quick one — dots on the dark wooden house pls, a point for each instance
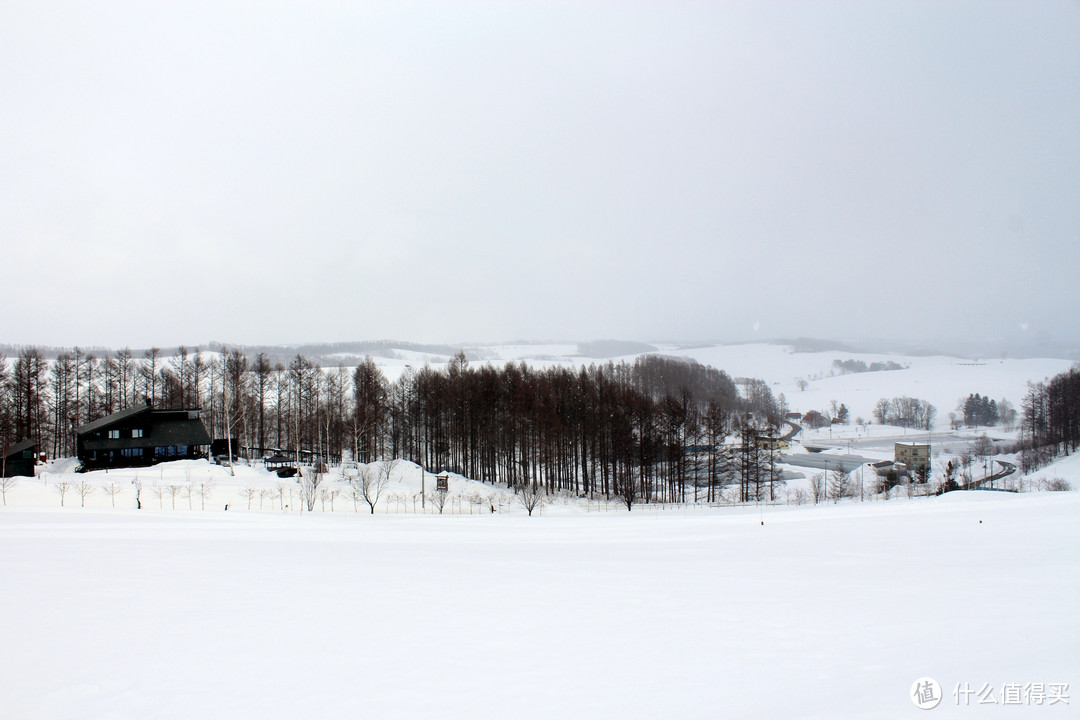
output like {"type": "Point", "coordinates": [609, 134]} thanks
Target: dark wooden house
{"type": "Point", "coordinates": [20, 459]}
{"type": "Point", "coordinates": [141, 435]}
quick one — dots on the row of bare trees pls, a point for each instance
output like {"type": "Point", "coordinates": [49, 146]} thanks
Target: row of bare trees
{"type": "Point", "coordinates": [267, 405]}
{"type": "Point", "coordinates": [1051, 419]}
{"type": "Point", "coordinates": [906, 412]}
{"type": "Point", "coordinates": [84, 488]}
{"type": "Point", "coordinates": [653, 429]}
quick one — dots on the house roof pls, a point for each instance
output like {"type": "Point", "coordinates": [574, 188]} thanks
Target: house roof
{"type": "Point", "coordinates": [114, 418]}
{"type": "Point", "coordinates": [19, 447]}
{"type": "Point", "coordinates": [170, 432]}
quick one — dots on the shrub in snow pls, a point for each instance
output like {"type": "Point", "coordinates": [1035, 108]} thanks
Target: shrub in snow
{"type": "Point", "coordinates": [6, 484]}
{"type": "Point", "coordinates": [1058, 485]}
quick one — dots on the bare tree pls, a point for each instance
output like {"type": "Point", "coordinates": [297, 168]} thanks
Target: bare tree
{"type": "Point", "coordinates": [909, 489]}
{"type": "Point", "coordinates": [6, 483]}
{"type": "Point", "coordinates": [817, 487]}
{"type": "Point", "coordinates": [349, 475]}
{"type": "Point", "coordinates": [62, 487]}
{"type": "Point", "coordinates": [387, 467]}
{"type": "Point", "coordinates": [882, 410]}
{"type": "Point", "coordinates": [626, 491]}
{"type": "Point", "coordinates": [311, 479]}
{"type": "Point", "coordinates": [174, 489]}
{"type": "Point", "coordinates": [532, 496]}
{"type": "Point", "coordinates": [159, 492]}
{"type": "Point", "coordinates": [112, 489]}
{"type": "Point", "coordinates": [85, 488]}
{"type": "Point", "coordinates": [839, 485]}
{"type": "Point", "coordinates": [356, 495]}
{"type": "Point", "coordinates": [438, 500]}
{"type": "Point", "coordinates": [372, 482]}
{"type": "Point", "coordinates": [148, 371]}
{"type": "Point", "coordinates": [477, 501]}
{"type": "Point", "coordinates": [250, 493]}
{"type": "Point", "coordinates": [206, 489]}
{"type": "Point", "coordinates": [137, 483]}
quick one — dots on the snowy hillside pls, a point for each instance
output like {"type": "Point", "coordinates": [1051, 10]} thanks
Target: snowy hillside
{"type": "Point", "coordinates": [940, 380]}
{"type": "Point", "coordinates": [943, 381]}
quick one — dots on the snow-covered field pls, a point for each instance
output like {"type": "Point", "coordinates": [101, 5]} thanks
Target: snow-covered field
{"type": "Point", "coordinates": [825, 612]}
{"type": "Point", "coordinates": [941, 380]}
{"type": "Point", "coordinates": [265, 611]}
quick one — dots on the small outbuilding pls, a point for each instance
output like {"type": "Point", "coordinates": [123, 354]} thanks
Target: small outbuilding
{"type": "Point", "coordinates": [282, 464]}
{"type": "Point", "coordinates": [765, 442]}
{"type": "Point", "coordinates": [20, 459]}
{"type": "Point", "coordinates": [881, 469]}
{"type": "Point", "coordinates": [219, 449]}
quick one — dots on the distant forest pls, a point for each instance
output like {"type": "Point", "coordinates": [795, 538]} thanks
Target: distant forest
{"type": "Point", "coordinates": [858, 366]}
{"type": "Point", "coordinates": [1051, 419]}
{"type": "Point", "coordinates": [651, 429]}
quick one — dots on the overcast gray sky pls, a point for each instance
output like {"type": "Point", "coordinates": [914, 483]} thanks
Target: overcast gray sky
{"type": "Point", "coordinates": [463, 172]}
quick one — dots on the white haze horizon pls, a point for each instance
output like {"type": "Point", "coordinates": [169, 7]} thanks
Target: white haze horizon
{"type": "Point", "coordinates": [482, 172]}
{"type": "Point", "coordinates": [547, 350]}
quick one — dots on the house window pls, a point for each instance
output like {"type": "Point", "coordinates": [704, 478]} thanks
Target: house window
{"type": "Point", "coordinates": [114, 434]}
{"type": "Point", "coordinates": [132, 452]}
{"type": "Point", "coordinates": [136, 432]}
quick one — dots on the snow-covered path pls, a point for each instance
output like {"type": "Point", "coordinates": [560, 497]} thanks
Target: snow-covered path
{"type": "Point", "coordinates": [820, 612]}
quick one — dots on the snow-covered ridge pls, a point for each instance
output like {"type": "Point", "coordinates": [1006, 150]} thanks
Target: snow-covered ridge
{"type": "Point", "coordinates": [941, 380]}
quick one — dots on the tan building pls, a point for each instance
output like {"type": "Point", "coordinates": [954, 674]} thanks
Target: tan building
{"type": "Point", "coordinates": [913, 455]}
